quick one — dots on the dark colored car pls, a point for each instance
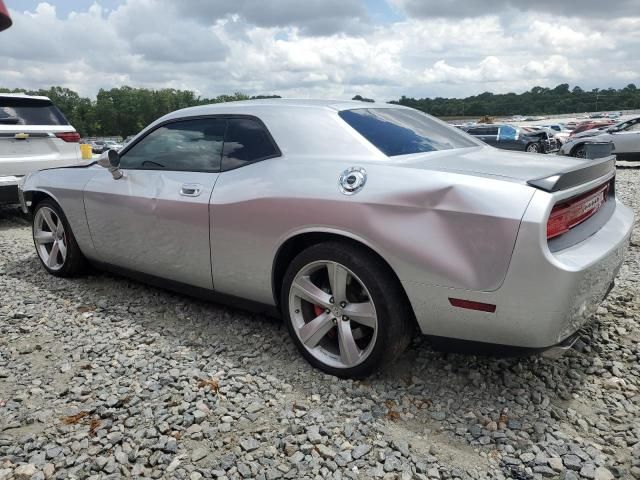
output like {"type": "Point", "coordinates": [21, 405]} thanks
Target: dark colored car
{"type": "Point", "coordinates": [508, 137]}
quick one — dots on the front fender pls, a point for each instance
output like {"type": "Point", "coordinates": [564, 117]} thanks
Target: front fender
{"type": "Point", "coordinates": [65, 186]}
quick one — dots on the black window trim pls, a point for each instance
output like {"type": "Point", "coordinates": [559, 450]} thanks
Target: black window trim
{"type": "Point", "coordinates": [278, 152]}
{"type": "Point", "coordinates": [218, 116]}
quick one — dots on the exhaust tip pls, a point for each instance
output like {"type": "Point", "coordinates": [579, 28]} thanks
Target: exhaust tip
{"type": "Point", "coordinates": [557, 351]}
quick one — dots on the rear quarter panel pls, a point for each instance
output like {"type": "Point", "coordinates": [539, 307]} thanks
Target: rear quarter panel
{"type": "Point", "coordinates": [436, 228]}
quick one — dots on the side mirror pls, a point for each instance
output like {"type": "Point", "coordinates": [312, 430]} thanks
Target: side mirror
{"type": "Point", "coordinates": [111, 161]}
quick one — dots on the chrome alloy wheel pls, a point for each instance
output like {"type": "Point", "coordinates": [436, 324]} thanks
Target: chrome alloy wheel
{"type": "Point", "coordinates": [50, 238]}
{"type": "Point", "coordinates": [333, 314]}
{"type": "Point", "coordinates": [533, 148]}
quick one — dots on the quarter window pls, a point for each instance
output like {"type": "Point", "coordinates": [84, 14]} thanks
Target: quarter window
{"type": "Point", "coordinates": [246, 141]}
{"type": "Point", "coordinates": [188, 145]}
{"type": "Point", "coordinates": [399, 131]}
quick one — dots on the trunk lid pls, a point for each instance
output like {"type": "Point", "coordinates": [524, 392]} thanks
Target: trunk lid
{"type": "Point", "coordinates": [513, 166]}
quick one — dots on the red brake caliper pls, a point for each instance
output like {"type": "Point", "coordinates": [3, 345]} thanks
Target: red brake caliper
{"type": "Point", "coordinates": [317, 310]}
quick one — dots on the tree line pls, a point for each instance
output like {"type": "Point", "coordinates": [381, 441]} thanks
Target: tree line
{"type": "Point", "coordinates": [537, 101]}
{"type": "Point", "coordinates": [126, 110]}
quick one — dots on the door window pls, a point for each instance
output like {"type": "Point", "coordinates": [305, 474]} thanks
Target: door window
{"type": "Point", "coordinates": [188, 145]}
{"type": "Point", "coordinates": [246, 141]}
{"type": "Point", "coordinates": [507, 133]}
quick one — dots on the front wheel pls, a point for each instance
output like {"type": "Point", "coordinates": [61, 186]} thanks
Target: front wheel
{"type": "Point", "coordinates": [54, 241]}
{"type": "Point", "coordinates": [579, 152]}
{"type": "Point", "coordinates": [345, 310]}
{"type": "Point", "coordinates": [533, 148]}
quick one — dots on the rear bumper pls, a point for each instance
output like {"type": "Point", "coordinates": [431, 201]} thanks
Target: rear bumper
{"type": "Point", "coordinates": [545, 298]}
{"type": "Point", "coordinates": [9, 189]}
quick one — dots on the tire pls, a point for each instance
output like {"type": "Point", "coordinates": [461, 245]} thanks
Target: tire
{"type": "Point", "coordinates": [384, 327]}
{"type": "Point", "coordinates": [533, 148]}
{"type": "Point", "coordinates": [51, 231]}
{"type": "Point", "coordinates": [579, 152]}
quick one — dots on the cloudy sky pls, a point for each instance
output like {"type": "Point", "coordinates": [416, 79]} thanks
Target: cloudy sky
{"type": "Point", "coordinates": [321, 48]}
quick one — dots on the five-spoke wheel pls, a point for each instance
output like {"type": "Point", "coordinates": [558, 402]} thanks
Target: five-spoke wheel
{"type": "Point", "coordinates": [55, 244]}
{"type": "Point", "coordinates": [344, 309]}
{"type": "Point", "coordinates": [333, 314]}
{"type": "Point", "coordinates": [49, 237]}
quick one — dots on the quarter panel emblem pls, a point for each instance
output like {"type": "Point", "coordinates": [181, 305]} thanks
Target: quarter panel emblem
{"type": "Point", "coordinates": [352, 180]}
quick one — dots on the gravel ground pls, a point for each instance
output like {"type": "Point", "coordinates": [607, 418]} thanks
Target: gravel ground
{"type": "Point", "coordinates": [103, 377]}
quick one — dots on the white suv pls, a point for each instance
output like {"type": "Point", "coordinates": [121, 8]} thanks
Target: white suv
{"type": "Point", "coordinates": [34, 134]}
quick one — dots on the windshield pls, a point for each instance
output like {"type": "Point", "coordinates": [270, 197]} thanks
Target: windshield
{"type": "Point", "coordinates": [399, 131]}
{"type": "Point", "coordinates": [623, 125]}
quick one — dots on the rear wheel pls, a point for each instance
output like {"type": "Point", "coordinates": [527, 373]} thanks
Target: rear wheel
{"type": "Point", "coordinates": [345, 310]}
{"type": "Point", "coordinates": [533, 148]}
{"type": "Point", "coordinates": [54, 241]}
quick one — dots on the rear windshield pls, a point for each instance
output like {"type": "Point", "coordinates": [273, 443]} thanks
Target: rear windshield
{"type": "Point", "coordinates": [29, 111]}
{"type": "Point", "coordinates": [399, 131]}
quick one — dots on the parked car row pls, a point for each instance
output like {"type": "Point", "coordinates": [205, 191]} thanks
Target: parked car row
{"type": "Point", "coordinates": [99, 146]}
{"type": "Point", "coordinates": [568, 138]}
{"type": "Point", "coordinates": [508, 137]}
{"type": "Point", "coordinates": [624, 137]}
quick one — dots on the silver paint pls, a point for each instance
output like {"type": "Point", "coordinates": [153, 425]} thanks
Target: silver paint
{"type": "Point", "coordinates": [457, 223]}
{"type": "Point", "coordinates": [352, 180]}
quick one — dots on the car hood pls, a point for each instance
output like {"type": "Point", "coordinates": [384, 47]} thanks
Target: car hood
{"type": "Point", "coordinates": [490, 161]}
{"type": "Point", "coordinates": [589, 133]}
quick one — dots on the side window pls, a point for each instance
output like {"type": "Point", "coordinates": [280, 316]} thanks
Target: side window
{"type": "Point", "coordinates": [246, 141]}
{"type": "Point", "coordinates": [473, 131]}
{"type": "Point", "coordinates": [491, 131]}
{"type": "Point", "coordinates": [507, 133]}
{"type": "Point", "coordinates": [187, 145]}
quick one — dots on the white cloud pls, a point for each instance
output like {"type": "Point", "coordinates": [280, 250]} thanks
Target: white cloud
{"type": "Point", "coordinates": [454, 9]}
{"type": "Point", "coordinates": [223, 46]}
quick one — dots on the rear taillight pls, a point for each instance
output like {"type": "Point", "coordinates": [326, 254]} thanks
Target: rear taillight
{"type": "Point", "coordinates": [566, 215]}
{"type": "Point", "coordinates": [69, 136]}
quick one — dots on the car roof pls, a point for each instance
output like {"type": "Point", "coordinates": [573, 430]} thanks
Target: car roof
{"type": "Point", "coordinates": [245, 106]}
{"type": "Point", "coordinates": [24, 95]}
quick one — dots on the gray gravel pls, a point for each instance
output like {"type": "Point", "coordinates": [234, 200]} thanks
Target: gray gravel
{"type": "Point", "coordinates": [103, 377]}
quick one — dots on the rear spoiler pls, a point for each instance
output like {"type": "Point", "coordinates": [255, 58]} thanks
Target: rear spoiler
{"type": "Point", "coordinates": [575, 176]}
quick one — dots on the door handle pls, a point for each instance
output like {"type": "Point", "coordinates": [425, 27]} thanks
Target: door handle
{"type": "Point", "coordinates": [190, 190]}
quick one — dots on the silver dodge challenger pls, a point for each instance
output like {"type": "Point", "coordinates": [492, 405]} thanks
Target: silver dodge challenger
{"type": "Point", "coordinates": [359, 224]}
